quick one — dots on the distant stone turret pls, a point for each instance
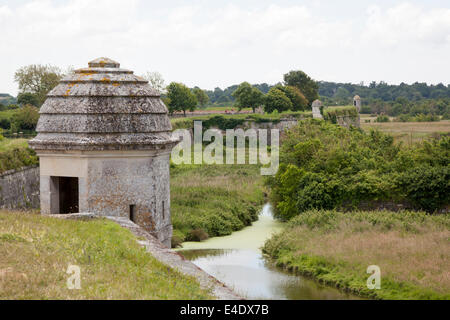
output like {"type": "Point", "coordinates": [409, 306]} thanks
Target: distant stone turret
{"type": "Point", "coordinates": [357, 103]}
{"type": "Point", "coordinates": [104, 141]}
{"type": "Point", "coordinates": [316, 109]}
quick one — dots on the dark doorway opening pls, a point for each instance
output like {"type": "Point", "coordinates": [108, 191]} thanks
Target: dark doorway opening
{"type": "Point", "coordinates": [68, 195]}
{"type": "Point", "coordinates": [133, 213]}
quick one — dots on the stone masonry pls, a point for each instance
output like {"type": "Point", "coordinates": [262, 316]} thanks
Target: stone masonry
{"type": "Point", "coordinates": [104, 141]}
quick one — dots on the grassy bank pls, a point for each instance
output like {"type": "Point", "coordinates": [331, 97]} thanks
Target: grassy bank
{"type": "Point", "coordinates": [35, 252]}
{"type": "Point", "coordinates": [15, 154]}
{"type": "Point", "coordinates": [213, 200]}
{"type": "Point", "coordinates": [411, 249]}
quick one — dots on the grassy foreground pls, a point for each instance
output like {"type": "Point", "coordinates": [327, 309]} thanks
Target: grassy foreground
{"type": "Point", "coordinates": [36, 251]}
{"type": "Point", "coordinates": [412, 250]}
{"type": "Point", "coordinates": [213, 200]}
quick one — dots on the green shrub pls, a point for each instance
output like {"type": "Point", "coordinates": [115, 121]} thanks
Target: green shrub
{"type": "Point", "coordinates": [198, 235]}
{"type": "Point", "coordinates": [332, 113]}
{"type": "Point", "coordinates": [17, 158]}
{"type": "Point", "coordinates": [382, 118]}
{"type": "Point", "coordinates": [325, 166]}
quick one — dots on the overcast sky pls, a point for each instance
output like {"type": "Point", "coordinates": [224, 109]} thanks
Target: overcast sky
{"type": "Point", "coordinates": [220, 43]}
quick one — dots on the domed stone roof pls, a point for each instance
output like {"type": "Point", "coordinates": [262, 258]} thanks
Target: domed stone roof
{"type": "Point", "coordinates": [103, 107]}
{"type": "Point", "coordinates": [356, 97]}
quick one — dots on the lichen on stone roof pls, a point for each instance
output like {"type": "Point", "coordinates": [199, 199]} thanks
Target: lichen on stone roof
{"type": "Point", "coordinates": [103, 107]}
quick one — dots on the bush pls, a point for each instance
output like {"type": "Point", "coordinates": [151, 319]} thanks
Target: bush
{"type": "Point", "coordinates": [198, 235]}
{"type": "Point", "coordinates": [382, 118]}
{"type": "Point", "coordinates": [325, 166]}
{"type": "Point", "coordinates": [222, 123]}
{"type": "Point", "coordinates": [277, 100]}
{"type": "Point", "coordinates": [177, 239]}
{"type": "Point", "coordinates": [332, 113]}
{"type": "Point", "coordinates": [426, 186]}
{"type": "Point", "coordinates": [25, 118]}
{"type": "Point", "coordinates": [17, 158]}
{"type": "Point", "coordinates": [5, 123]}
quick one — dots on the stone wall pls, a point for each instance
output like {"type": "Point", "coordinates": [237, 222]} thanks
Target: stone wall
{"type": "Point", "coordinates": [19, 189]}
{"type": "Point", "coordinates": [347, 121]}
{"type": "Point", "coordinates": [282, 125]}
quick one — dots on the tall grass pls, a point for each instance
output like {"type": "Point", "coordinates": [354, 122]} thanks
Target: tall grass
{"type": "Point", "coordinates": [213, 199]}
{"type": "Point", "coordinates": [35, 252]}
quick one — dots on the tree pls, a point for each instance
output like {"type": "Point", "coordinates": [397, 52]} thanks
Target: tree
{"type": "Point", "coordinates": [201, 96]}
{"type": "Point", "coordinates": [38, 80]}
{"type": "Point", "coordinates": [25, 118]}
{"type": "Point", "coordinates": [248, 96]}
{"type": "Point", "coordinates": [277, 100]}
{"type": "Point", "coordinates": [299, 102]}
{"type": "Point", "coordinates": [304, 83]}
{"type": "Point", "coordinates": [156, 81]}
{"type": "Point", "coordinates": [27, 98]}
{"type": "Point", "coordinates": [180, 98]}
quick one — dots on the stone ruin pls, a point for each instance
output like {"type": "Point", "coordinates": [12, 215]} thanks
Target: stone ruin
{"type": "Point", "coordinates": [316, 109]}
{"type": "Point", "coordinates": [104, 142]}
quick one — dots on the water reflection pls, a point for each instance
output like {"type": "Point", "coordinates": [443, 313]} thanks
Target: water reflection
{"type": "Point", "coordinates": [253, 277]}
{"type": "Point", "coordinates": [237, 261]}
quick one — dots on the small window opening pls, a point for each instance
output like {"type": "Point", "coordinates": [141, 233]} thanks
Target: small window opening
{"type": "Point", "coordinates": [133, 213]}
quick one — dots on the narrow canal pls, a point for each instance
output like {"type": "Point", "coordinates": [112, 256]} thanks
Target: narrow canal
{"type": "Point", "coordinates": [237, 261]}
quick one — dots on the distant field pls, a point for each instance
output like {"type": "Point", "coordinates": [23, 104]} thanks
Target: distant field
{"type": "Point", "coordinates": [408, 132]}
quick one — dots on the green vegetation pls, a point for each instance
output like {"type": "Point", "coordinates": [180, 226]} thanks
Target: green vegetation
{"type": "Point", "coordinates": [36, 251]}
{"type": "Point", "coordinates": [202, 97]}
{"type": "Point", "coordinates": [36, 81]}
{"type": "Point", "coordinates": [277, 100]}
{"type": "Point", "coordinates": [247, 96]}
{"type": "Point", "coordinates": [232, 121]}
{"type": "Point", "coordinates": [382, 118]}
{"type": "Point", "coordinates": [213, 200]}
{"type": "Point", "coordinates": [389, 99]}
{"type": "Point", "coordinates": [298, 100]}
{"type": "Point", "coordinates": [307, 86]}
{"type": "Point", "coordinates": [23, 119]}
{"type": "Point", "coordinates": [411, 249]}
{"type": "Point", "coordinates": [332, 113]}
{"type": "Point", "coordinates": [180, 98]}
{"type": "Point", "coordinates": [15, 154]}
{"type": "Point", "coordinates": [418, 118]}
{"type": "Point", "coordinates": [9, 144]}
{"type": "Point", "coordinates": [325, 166]}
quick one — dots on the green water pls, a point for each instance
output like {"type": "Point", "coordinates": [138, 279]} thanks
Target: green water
{"type": "Point", "coordinates": [237, 261]}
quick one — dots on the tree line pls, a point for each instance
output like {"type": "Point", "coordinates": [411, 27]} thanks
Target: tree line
{"type": "Point", "coordinates": [296, 92]}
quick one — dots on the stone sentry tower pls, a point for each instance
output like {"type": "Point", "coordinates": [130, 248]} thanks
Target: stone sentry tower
{"type": "Point", "coordinates": [357, 103]}
{"type": "Point", "coordinates": [104, 142]}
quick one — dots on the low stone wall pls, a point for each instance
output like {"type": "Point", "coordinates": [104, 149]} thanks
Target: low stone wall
{"type": "Point", "coordinates": [19, 189]}
{"type": "Point", "coordinates": [282, 125]}
{"type": "Point", "coordinates": [347, 121]}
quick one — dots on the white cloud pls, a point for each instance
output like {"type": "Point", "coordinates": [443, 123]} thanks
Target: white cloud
{"type": "Point", "coordinates": [218, 45]}
{"type": "Point", "coordinates": [408, 23]}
